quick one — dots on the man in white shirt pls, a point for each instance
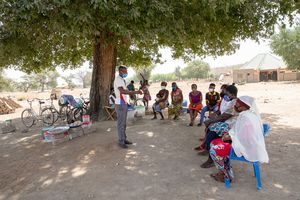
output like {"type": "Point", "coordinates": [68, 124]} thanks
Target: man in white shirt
{"type": "Point", "coordinates": [121, 105]}
{"type": "Point", "coordinates": [112, 98]}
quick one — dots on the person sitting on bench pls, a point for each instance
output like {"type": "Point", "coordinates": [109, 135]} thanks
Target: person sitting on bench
{"type": "Point", "coordinates": [161, 101]}
{"type": "Point", "coordinates": [212, 99]}
{"type": "Point", "coordinates": [112, 98]}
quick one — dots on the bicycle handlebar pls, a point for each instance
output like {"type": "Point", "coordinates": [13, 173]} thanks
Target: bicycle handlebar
{"type": "Point", "coordinates": [31, 100]}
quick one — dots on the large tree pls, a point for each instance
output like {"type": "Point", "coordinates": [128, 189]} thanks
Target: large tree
{"type": "Point", "coordinates": [48, 33]}
{"type": "Point", "coordinates": [196, 69]}
{"type": "Point", "coordinates": [287, 44]}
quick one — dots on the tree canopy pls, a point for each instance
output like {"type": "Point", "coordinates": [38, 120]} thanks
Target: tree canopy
{"type": "Point", "coordinates": [42, 34]}
{"type": "Point", "coordinates": [287, 44]}
{"type": "Point", "coordinates": [46, 33]}
{"type": "Point", "coordinates": [196, 69]}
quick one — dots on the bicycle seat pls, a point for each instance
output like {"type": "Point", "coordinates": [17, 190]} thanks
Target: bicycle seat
{"type": "Point", "coordinates": [41, 102]}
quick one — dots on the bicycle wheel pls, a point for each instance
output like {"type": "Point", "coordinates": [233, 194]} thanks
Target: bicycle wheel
{"type": "Point", "coordinates": [56, 114]}
{"type": "Point", "coordinates": [28, 118]}
{"type": "Point", "coordinates": [63, 112]}
{"type": "Point", "coordinates": [78, 113]}
{"type": "Point", "coordinates": [47, 116]}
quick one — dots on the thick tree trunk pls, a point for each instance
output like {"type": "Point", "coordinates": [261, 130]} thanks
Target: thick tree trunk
{"type": "Point", "coordinates": [104, 64]}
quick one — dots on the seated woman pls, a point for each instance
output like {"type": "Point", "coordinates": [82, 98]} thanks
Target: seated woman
{"type": "Point", "coordinates": [195, 103]}
{"type": "Point", "coordinates": [219, 125]}
{"type": "Point", "coordinates": [246, 137]}
{"type": "Point", "coordinates": [177, 98]}
{"type": "Point", "coordinates": [161, 101]}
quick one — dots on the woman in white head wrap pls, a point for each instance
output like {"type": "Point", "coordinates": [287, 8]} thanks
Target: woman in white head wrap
{"type": "Point", "coordinates": [246, 136]}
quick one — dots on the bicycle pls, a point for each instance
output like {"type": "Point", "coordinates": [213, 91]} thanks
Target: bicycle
{"type": "Point", "coordinates": [29, 116]}
{"type": "Point", "coordinates": [137, 101]}
{"type": "Point", "coordinates": [78, 112]}
{"type": "Point", "coordinates": [64, 112]}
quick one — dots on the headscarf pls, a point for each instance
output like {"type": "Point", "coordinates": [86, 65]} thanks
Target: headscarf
{"type": "Point", "coordinates": [247, 133]}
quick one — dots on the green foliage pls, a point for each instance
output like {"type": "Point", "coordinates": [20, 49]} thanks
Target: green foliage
{"type": "Point", "coordinates": [145, 71]}
{"type": "Point", "coordinates": [287, 44]}
{"type": "Point", "coordinates": [69, 80]}
{"type": "Point", "coordinates": [5, 83]}
{"type": "Point", "coordinates": [163, 77]}
{"type": "Point", "coordinates": [21, 98]}
{"type": "Point", "coordinates": [42, 34]}
{"type": "Point", "coordinates": [85, 78]}
{"type": "Point", "coordinates": [178, 73]}
{"type": "Point", "coordinates": [196, 69]}
{"type": "Point", "coordinates": [38, 81]}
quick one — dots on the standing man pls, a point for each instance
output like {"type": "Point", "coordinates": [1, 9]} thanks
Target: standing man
{"type": "Point", "coordinates": [121, 105]}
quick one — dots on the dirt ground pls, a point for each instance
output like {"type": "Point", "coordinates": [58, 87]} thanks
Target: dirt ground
{"type": "Point", "coordinates": [161, 165]}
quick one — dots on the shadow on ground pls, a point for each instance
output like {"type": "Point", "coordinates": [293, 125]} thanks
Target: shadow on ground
{"type": "Point", "coordinates": [160, 165]}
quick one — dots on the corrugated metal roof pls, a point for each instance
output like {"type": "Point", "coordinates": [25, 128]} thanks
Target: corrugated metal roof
{"type": "Point", "coordinates": [264, 61]}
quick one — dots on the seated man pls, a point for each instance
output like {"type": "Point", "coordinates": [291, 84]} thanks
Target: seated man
{"type": "Point", "coordinates": [161, 101]}
{"type": "Point", "coordinates": [112, 98]}
{"type": "Point", "coordinates": [212, 99]}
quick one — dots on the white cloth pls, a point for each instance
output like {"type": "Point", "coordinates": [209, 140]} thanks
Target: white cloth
{"type": "Point", "coordinates": [247, 134]}
{"type": "Point", "coordinates": [120, 82]}
{"type": "Point", "coordinates": [111, 98]}
{"type": "Point", "coordinates": [228, 107]}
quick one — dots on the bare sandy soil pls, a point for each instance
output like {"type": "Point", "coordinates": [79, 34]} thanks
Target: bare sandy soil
{"type": "Point", "coordinates": [161, 165]}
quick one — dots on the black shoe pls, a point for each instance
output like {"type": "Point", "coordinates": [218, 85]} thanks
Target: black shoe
{"type": "Point", "coordinates": [208, 164]}
{"type": "Point", "coordinates": [176, 118]}
{"type": "Point", "coordinates": [203, 153]}
{"type": "Point", "coordinates": [153, 118]}
{"type": "Point", "coordinates": [124, 146]}
{"type": "Point", "coordinates": [127, 142]}
{"type": "Point", "coordinates": [200, 124]}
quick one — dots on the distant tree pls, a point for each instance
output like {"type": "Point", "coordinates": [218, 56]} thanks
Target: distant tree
{"type": "Point", "coordinates": [287, 45]}
{"type": "Point", "coordinates": [145, 71]}
{"type": "Point", "coordinates": [196, 69]}
{"type": "Point", "coordinates": [6, 84]}
{"type": "Point", "coordinates": [46, 79]}
{"type": "Point", "coordinates": [163, 77]}
{"type": "Point", "coordinates": [85, 78]}
{"type": "Point", "coordinates": [69, 80]}
{"type": "Point", "coordinates": [29, 81]}
{"type": "Point", "coordinates": [178, 72]}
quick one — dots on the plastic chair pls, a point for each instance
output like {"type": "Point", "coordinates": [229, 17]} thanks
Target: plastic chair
{"type": "Point", "coordinates": [233, 156]}
{"type": "Point", "coordinates": [185, 108]}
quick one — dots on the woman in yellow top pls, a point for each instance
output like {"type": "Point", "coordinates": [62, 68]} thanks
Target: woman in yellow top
{"type": "Point", "coordinates": [177, 98]}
